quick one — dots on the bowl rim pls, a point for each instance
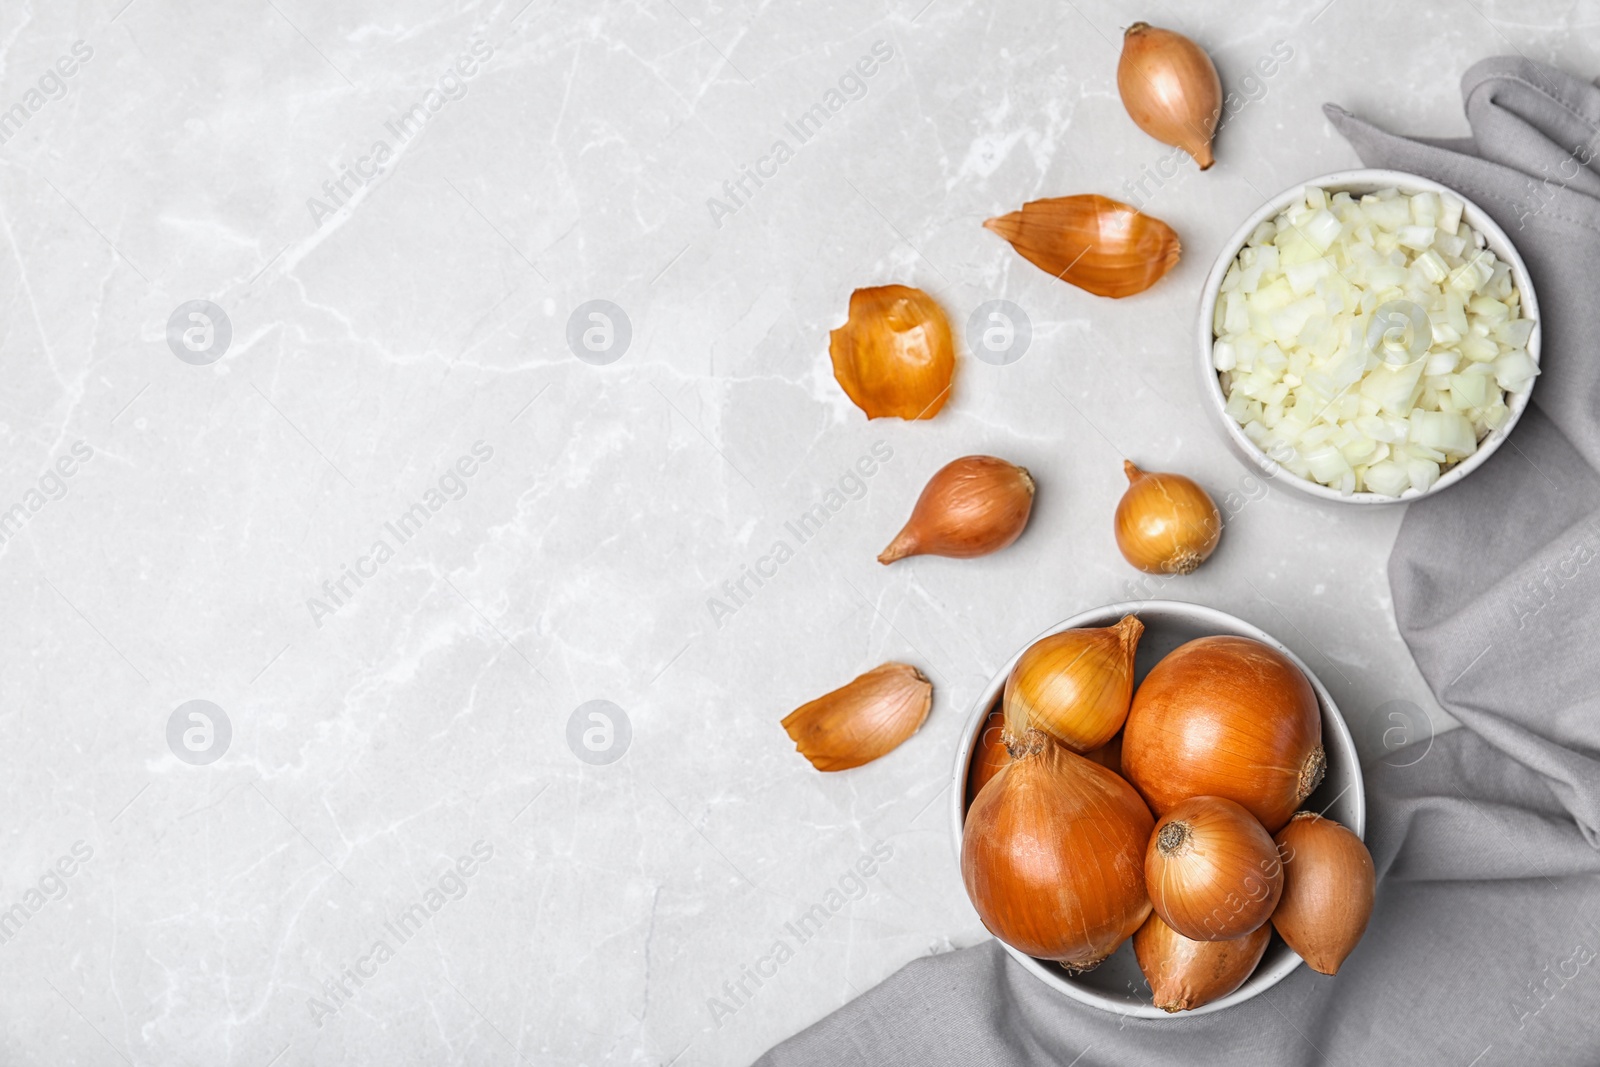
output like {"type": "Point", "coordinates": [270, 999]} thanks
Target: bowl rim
{"type": "Point", "coordinates": [1340, 742]}
{"type": "Point", "coordinates": [1367, 179]}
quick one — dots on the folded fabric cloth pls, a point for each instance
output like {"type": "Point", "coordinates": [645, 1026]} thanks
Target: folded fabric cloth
{"type": "Point", "coordinates": [1484, 947]}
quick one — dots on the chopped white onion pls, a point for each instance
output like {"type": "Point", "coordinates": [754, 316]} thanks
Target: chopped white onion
{"type": "Point", "coordinates": [1316, 342]}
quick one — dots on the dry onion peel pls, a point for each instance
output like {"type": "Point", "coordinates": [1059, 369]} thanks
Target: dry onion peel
{"type": "Point", "coordinates": [1098, 244]}
{"type": "Point", "coordinates": [860, 721]}
{"type": "Point", "coordinates": [894, 355]}
{"type": "Point", "coordinates": [970, 507]}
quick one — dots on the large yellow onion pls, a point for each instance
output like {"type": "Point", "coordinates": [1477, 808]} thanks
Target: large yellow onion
{"type": "Point", "coordinates": [1227, 717]}
{"type": "Point", "coordinates": [1053, 855]}
{"type": "Point", "coordinates": [1075, 685]}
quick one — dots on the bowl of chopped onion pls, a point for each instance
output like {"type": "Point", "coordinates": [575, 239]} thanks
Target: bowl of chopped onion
{"type": "Point", "coordinates": [1368, 337]}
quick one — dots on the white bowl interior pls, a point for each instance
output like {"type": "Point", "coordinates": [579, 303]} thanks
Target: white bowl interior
{"type": "Point", "coordinates": [1117, 984]}
{"type": "Point", "coordinates": [1358, 182]}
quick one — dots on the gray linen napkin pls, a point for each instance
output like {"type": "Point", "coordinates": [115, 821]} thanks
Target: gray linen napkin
{"type": "Point", "coordinates": [1485, 945]}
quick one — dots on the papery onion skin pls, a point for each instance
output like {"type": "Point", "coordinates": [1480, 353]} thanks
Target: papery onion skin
{"type": "Point", "coordinates": [1166, 523]}
{"type": "Point", "coordinates": [1184, 974]}
{"type": "Point", "coordinates": [1052, 856]}
{"type": "Point", "coordinates": [858, 722]}
{"type": "Point", "coordinates": [1329, 885]}
{"type": "Point", "coordinates": [1075, 685]}
{"type": "Point", "coordinates": [1229, 717]}
{"type": "Point", "coordinates": [1212, 871]}
{"type": "Point", "coordinates": [1171, 89]}
{"type": "Point", "coordinates": [894, 355]}
{"type": "Point", "coordinates": [972, 506]}
{"type": "Point", "coordinates": [1100, 245]}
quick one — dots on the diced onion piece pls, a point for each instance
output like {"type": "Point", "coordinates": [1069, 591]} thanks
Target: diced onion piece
{"type": "Point", "coordinates": [1423, 473]}
{"type": "Point", "coordinates": [1444, 431]}
{"type": "Point", "coordinates": [1388, 477]}
{"type": "Point", "coordinates": [1515, 370]}
{"type": "Point", "coordinates": [1473, 389]}
{"type": "Point", "coordinates": [1418, 237]}
{"type": "Point", "coordinates": [1322, 229]}
{"type": "Point", "coordinates": [1449, 213]}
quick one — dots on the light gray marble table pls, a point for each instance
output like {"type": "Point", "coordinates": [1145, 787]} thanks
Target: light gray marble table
{"type": "Point", "coordinates": [370, 506]}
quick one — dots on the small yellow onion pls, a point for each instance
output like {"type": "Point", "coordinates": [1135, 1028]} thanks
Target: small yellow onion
{"type": "Point", "coordinates": [1212, 871]}
{"type": "Point", "coordinates": [894, 355]}
{"type": "Point", "coordinates": [1184, 974]}
{"type": "Point", "coordinates": [1328, 890]}
{"type": "Point", "coordinates": [1171, 89]}
{"type": "Point", "coordinates": [1075, 685]}
{"type": "Point", "coordinates": [1052, 855]}
{"type": "Point", "coordinates": [1166, 524]}
{"type": "Point", "coordinates": [970, 507]}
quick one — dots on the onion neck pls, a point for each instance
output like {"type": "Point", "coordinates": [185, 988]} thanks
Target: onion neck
{"type": "Point", "coordinates": [1028, 744]}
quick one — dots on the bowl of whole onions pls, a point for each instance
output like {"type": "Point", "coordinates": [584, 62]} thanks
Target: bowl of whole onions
{"type": "Point", "coordinates": [1158, 809]}
{"type": "Point", "coordinates": [1368, 337]}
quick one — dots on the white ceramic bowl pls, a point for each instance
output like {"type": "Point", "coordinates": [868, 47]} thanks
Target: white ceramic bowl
{"type": "Point", "coordinates": [1356, 182]}
{"type": "Point", "coordinates": [1117, 984]}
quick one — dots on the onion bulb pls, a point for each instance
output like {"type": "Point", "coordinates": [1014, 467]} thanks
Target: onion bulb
{"type": "Point", "coordinates": [1102, 246]}
{"type": "Point", "coordinates": [1328, 888]}
{"type": "Point", "coordinates": [1053, 855]}
{"type": "Point", "coordinates": [894, 355]}
{"type": "Point", "coordinates": [1166, 524]}
{"type": "Point", "coordinates": [1185, 974]}
{"type": "Point", "coordinates": [1075, 685]}
{"type": "Point", "coordinates": [1171, 89]}
{"type": "Point", "coordinates": [1212, 872]}
{"type": "Point", "coordinates": [988, 754]}
{"type": "Point", "coordinates": [1228, 717]}
{"type": "Point", "coordinates": [970, 507]}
